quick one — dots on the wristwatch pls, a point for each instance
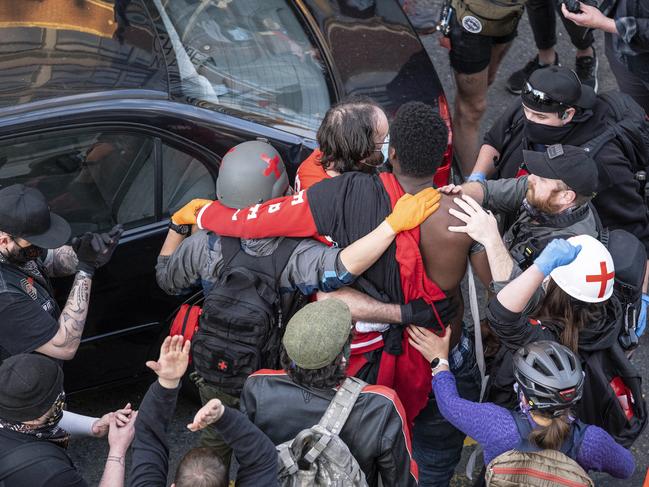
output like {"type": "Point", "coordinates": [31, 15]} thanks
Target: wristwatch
{"type": "Point", "coordinates": [183, 230]}
{"type": "Point", "coordinates": [436, 363]}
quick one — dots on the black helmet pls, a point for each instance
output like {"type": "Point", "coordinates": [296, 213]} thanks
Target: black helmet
{"type": "Point", "coordinates": [549, 374]}
{"type": "Point", "coordinates": [250, 173]}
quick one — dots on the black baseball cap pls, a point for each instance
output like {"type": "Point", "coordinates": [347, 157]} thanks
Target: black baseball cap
{"type": "Point", "coordinates": [31, 383]}
{"type": "Point", "coordinates": [555, 88]}
{"type": "Point", "coordinates": [568, 163]}
{"type": "Point", "coordinates": [24, 213]}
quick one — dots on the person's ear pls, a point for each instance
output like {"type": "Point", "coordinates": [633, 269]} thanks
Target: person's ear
{"type": "Point", "coordinates": [392, 153]}
{"type": "Point", "coordinates": [568, 115]}
{"type": "Point", "coordinates": [568, 196]}
{"type": "Point", "coordinates": [5, 239]}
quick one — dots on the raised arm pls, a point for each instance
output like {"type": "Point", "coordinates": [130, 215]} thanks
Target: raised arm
{"type": "Point", "coordinates": [515, 295]}
{"type": "Point", "coordinates": [92, 250]}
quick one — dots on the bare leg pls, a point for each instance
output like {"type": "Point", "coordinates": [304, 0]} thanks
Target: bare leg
{"type": "Point", "coordinates": [470, 105]}
{"type": "Point", "coordinates": [498, 52]}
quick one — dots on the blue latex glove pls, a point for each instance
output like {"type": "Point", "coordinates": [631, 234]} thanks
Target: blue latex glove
{"type": "Point", "coordinates": [557, 253]}
{"type": "Point", "coordinates": [642, 320]}
{"type": "Point", "coordinates": [479, 177]}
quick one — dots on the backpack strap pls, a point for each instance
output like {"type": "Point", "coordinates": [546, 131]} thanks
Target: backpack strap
{"type": "Point", "coordinates": [336, 414]}
{"type": "Point", "coordinates": [230, 247]}
{"type": "Point", "coordinates": [283, 253]}
{"type": "Point", "coordinates": [29, 454]}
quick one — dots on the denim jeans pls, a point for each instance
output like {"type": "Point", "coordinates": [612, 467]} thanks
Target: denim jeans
{"type": "Point", "coordinates": [437, 445]}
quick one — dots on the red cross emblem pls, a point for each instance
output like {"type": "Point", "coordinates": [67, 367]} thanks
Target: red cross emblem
{"type": "Point", "coordinates": [602, 278]}
{"type": "Point", "coordinates": [272, 165]}
{"type": "Point", "coordinates": [222, 365]}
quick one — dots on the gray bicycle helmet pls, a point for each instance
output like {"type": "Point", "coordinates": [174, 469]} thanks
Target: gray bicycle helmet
{"type": "Point", "coordinates": [549, 374]}
{"type": "Point", "coordinates": [251, 172]}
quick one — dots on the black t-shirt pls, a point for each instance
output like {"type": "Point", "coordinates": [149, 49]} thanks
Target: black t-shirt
{"type": "Point", "coordinates": [52, 470]}
{"type": "Point", "coordinates": [24, 325]}
{"type": "Point", "coordinates": [347, 208]}
{"type": "Point", "coordinates": [28, 313]}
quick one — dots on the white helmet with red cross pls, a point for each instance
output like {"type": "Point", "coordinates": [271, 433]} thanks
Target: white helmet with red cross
{"type": "Point", "coordinates": [591, 275]}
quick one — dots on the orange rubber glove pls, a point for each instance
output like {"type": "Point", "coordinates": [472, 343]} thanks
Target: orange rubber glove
{"type": "Point", "coordinates": [188, 213]}
{"type": "Point", "coordinates": [411, 210]}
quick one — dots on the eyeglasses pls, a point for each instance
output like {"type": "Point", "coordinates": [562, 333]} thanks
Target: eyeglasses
{"type": "Point", "coordinates": [541, 98]}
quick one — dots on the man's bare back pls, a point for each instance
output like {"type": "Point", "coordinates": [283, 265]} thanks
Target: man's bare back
{"type": "Point", "coordinates": [445, 257]}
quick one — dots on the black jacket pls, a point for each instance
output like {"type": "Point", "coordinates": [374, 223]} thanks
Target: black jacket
{"type": "Point", "coordinates": [515, 330]}
{"type": "Point", "coordinates": [618, 201]}
{"type": "Point", "coordinates": [375, 432]}
{"type": "Point", "coordinates": [51, 469]}
{"type": "Point", "coordinates": [255, 453]}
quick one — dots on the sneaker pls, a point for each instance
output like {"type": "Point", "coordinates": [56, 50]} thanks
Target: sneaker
{"type": "Point", "coordinates": [518, 78]}
{"type": "Point", "coordinates": [586, 68]}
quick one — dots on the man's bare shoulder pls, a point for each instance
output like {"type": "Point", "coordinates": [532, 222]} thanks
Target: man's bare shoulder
{"type": "Point", "coordinates": [436, 226]}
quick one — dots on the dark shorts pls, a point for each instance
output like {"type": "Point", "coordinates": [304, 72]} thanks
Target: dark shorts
{"type": "Point", "coordinates": [471, 53]}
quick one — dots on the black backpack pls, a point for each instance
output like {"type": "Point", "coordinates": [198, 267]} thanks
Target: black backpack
{"type": "Point", "coordinates": [630, 261]}
{"type": "Point", "coordinates": [612, 397]}
{"type": "Point", "coordinates": [241, 325]}
{"type": "Point", "coordinates": [628, 123]}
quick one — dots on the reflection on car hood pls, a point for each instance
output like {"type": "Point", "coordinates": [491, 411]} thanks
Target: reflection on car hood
{"type": "Point", "coordinates": [54, 48]}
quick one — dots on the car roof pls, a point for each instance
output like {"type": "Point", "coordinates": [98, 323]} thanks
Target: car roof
{"type": "Point", "coordinates": [43, 45]}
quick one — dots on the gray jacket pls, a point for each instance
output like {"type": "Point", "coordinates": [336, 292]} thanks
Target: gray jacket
{"type": "Point", "coordinates": [198, 261]}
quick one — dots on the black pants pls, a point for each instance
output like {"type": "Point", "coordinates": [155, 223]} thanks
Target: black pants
{"type": "Point", "coordinates": [628, 82]}
{"type": "Point", "coordinates": [542, 15]}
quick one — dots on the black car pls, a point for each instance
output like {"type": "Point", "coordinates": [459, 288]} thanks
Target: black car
{"type": "Point", "coordinates": [119, 112]}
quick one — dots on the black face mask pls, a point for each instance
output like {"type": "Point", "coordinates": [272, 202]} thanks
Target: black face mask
{"type": "Point", "coordinates": [21, 255]}
{"type": "Point", "coordinates": [537, 133]}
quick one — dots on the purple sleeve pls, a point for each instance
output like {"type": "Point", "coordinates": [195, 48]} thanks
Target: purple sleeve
{"type": "Point", "coordinates": [490, 425]}
{"type": "Point", "coordinates": [601, 453]}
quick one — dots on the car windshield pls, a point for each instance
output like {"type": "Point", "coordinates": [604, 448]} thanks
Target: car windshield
{"type": "Point", "coordinates": [253, 56]}
{"type": "Point", "coordinates": [52, 48]}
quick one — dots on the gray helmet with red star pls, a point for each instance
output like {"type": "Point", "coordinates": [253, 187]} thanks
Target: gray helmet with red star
{"type": "Point", "coordinates": [251, 172]}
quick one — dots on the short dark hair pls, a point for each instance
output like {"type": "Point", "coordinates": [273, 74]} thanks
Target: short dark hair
{"type": "Point", "coordinates": [346, 134]}
{"type": "Point", "coordinates": [419, 137]}
{"type": "Point", "coordinates": [201, 467]}
{"type": "Point", "coordinates": [326, 377]}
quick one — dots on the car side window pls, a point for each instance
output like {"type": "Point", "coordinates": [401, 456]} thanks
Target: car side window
{"type": "Point", "coordinates": [183, 179]}
{"type": "Point", "coordinates": [250, 55]}
{"type": "Point", "coordinates": [87, 178]}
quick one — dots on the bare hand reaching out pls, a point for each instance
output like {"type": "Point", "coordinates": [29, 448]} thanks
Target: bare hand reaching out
{"type": "Point", "coordinates": [207, 415]}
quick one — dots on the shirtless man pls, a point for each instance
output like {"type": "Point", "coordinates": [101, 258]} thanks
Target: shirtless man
{"type": "Point", "coordinates": [343, 208]}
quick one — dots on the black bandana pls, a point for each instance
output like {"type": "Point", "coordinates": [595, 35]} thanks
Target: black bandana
{"type": "Point", "coordinates": [537, 133]}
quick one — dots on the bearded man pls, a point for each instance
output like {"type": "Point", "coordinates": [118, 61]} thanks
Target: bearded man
{"type": "Point", "coordinates": [551, 202]}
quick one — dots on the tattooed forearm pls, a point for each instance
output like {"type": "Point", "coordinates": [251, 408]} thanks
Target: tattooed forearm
{"type": "Point", "coordinates": [73, 316]}
{"type": "Point", "coordinates": [61, 262]}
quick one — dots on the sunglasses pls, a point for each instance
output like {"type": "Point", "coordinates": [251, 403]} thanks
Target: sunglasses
{"type": "Point", "coordinates": [541, 98]}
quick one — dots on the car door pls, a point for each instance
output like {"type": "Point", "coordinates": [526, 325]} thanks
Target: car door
{"type": "Point", "coordinates": [132, 169]}
{"type": "Point", "coordinates": [96, 178]}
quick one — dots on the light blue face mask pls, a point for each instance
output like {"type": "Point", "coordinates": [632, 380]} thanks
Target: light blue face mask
{"type": "Point", "coordinates": [385, 147]}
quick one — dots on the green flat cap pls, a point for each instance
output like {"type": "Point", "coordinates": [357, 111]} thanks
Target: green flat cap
{"type": "Point", "coordinates": [317, 333]}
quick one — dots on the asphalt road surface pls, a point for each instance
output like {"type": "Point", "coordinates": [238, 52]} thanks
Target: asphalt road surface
{"type": "Point", "coordinates": [90, 454]}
